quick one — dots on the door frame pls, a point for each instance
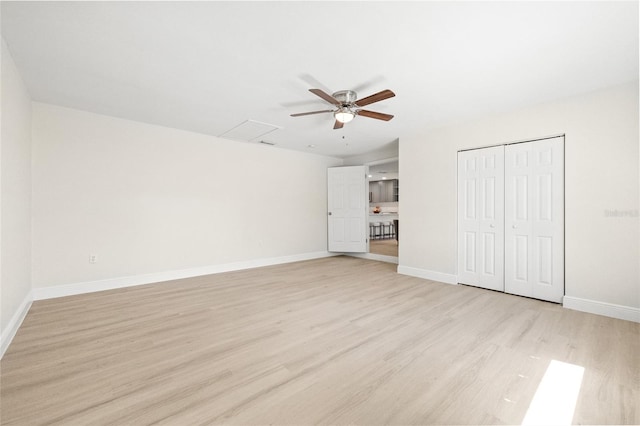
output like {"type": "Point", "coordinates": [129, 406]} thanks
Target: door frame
{"type": "Point", "coordinates": [374, 256]}
{"type": "Point", "coordinates": [368, 254]}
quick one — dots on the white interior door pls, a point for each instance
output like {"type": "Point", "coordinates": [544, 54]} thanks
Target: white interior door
{"type": "Point", "coordinates": [347, 208]}
{"type": "Point", "coordinates": [534, 219]}
{"type": "Point", "coordinates": [481, 217]}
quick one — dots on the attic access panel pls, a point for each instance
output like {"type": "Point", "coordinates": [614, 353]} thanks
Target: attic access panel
{"type": "Point", "coordinates": [249, 130]}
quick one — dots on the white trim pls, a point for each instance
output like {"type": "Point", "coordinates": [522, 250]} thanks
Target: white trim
{"type": "Point", "coordinates": [542, 138]}
{"type": "Point", "coordinates": [374, 256]}
{"type": "Point", "coordinates": [41, 293]}
{"type": "Point", "coordinates": [428, 275]}
{"type": "Point", "coordinates": [14, 323]}
{"type": "Point", "coordinates": [627, 313]}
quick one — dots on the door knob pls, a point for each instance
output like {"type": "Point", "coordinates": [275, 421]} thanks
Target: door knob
{"type": "Point", "coordinates": [492, 226]}
{"type": "Point", "coordinates": [514, 226]}
{"type": "Point", "coordinates": [329, 213]}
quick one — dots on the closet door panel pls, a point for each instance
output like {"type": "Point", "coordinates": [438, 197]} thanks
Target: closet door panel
{"type": "Point", "coordinates": [534, 219]}
{"type": "Point", "coordinates": [548, 220]}
{"type": "Point", "coordinates": [518, 188]}
{"type": "Point", "coordinates": [481, 218]}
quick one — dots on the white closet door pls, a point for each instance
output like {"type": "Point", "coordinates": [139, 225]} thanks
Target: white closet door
{"type": "Point", "coordinates": [534, 219]}
{"type": "Point", "coordinates": [481, 218]}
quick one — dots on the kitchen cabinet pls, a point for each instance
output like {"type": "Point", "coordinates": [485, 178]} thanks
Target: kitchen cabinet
{"type": "Point", "coordinates": [396, 190]}
{"type": "Point", "coordinates": [375, 190]}
{"type": "Point", "coordinates": [383, 191]}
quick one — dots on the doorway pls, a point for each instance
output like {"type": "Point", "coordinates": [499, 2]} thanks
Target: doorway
{"type": "Point", "coordinates": [384, 215]}
{"type": "Point", "coordinates": [363, 216]}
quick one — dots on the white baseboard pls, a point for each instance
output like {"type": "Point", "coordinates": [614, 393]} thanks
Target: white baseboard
{"type": "Point", "coordinates": [428, 275]}
{"type": "Point", "coordinates": [40, 293]}
{"type": "Point", "coordinates": [374, 256]}
{"type": "Point", "coordinates": [627, 313]}
{"type": "Point", "coordinates": [14, 324]}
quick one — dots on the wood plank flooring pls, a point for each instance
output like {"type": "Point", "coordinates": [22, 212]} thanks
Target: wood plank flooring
{"type": "Point", "coordinates": [384, 247]}
{"type": "Point", "coordinates": [330, 341]}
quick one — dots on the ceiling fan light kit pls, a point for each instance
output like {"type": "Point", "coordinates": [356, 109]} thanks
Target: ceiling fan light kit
{"type": "Point", "coordinates": [344, 115]}
{"type": "Point", "coordinates": [348, 105]}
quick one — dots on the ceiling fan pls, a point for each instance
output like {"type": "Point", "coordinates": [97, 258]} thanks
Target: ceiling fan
{"type": "Point", "coordinates": [348, 105]}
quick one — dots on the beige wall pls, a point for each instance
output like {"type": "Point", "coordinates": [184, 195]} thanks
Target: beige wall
{"type": "Point", "coordinates": [15, 200]}
{"type": "Point", "coordinates": [147, 199]}
{"type": "Point", "coordinates": [601, 168]}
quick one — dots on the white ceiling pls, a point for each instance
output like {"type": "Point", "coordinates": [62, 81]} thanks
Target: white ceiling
{"type": "Point", "coordinates": [209, 66]}
{"type": "Point", "coordinates": [387, 170]}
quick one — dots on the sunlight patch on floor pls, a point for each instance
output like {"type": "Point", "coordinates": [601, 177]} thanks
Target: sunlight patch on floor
{"type": "Point", "coordinates": [555, 399]}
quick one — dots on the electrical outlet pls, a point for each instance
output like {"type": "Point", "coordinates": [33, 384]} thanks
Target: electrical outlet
{"type": "Point", "coordinates": [93, 258]}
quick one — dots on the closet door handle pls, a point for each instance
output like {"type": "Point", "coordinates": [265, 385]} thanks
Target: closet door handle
{"type": "Point", "coordinates": [492, 226]}
{"type": "Point", "coordinates": [514, 226]}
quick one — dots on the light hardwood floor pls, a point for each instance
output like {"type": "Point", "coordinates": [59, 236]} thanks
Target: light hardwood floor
{"type": "Point", "coordinates": [330, 341]}
{"type": "Point", "coordinates": [385, 247]}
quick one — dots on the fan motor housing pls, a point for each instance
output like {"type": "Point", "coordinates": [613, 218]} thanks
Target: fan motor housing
{"type": "Point", "coordinates": [346, 97]}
